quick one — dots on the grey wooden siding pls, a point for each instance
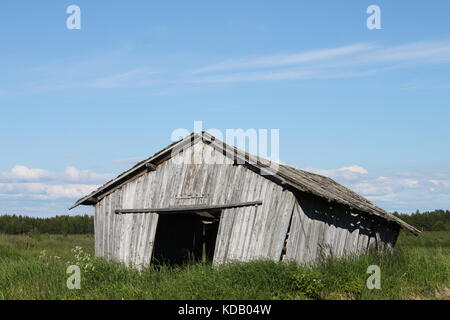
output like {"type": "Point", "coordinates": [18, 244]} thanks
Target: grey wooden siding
{"type": "Point", "coordinates": [244, 233]}
{"type": "Point", "coordinates": [255, 232]}
{"type": "Point", "coordinates": [323, 228]}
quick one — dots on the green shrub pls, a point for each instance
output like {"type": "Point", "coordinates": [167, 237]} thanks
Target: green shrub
{"type": "Point", "coordinates": [308, 283]}
{"type": "Point", "coordinates": [351, 289]}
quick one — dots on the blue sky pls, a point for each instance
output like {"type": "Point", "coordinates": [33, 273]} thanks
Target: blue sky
{"type": "Point", "coordinates": [369, 108]}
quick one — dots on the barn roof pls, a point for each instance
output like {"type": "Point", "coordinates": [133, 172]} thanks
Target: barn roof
{"type": "Point", "coordinates": [300, 180]}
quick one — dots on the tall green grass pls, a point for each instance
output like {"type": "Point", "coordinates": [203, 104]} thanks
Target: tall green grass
{"type": "Point", "coordinates": [419, 268]}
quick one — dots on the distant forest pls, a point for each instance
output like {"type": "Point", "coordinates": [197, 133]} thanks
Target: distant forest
{"type": "Point", "coordinates": [437, 220]}
{"type": "Point", "coordinates": [12, 224]}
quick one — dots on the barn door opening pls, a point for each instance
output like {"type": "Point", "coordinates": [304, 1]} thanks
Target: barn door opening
{"type": "Point", "coordinates": [184, 237]}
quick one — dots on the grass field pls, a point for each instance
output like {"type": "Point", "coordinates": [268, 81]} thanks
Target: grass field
{"type": "Point", "coordinates": [34, 267]}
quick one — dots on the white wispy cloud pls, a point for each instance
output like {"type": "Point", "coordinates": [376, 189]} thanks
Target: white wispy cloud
{"type": "Point", "coordinates": [43, 191]}
{"type": "Point", "coordinates": [284, 59]}
{"type": "Point", "coordinates": [25, 174]}
{"type": "Point", "coordinates": [22, 182]}
{"type": "Point", "coordinates": [126, 70]}
{"type": "Point", "coordinates": [385, 185]}
{"type": "Point", "coordinates": [439, 185]}
{"type": "Point", "coordinates": [348, 173]}
{"type": "Point", "coordinates": [394, 191]}
{"type": "Point", "coordinates": [21, 173]}
{"type": "Point", "coordinates": [423, 52]}
{"type": "Point", "coordinates": [74, 174]}
{"type": "Point", "coordinates": [426, 86]}
{"type": "Point", "coordinates": [135, 77]}
{"type": "Point", "coordinates": [355, 60]}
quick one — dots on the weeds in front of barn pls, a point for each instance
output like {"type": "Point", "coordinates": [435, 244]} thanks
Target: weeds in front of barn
{"type": "Point", "coordinates": [34, 267]}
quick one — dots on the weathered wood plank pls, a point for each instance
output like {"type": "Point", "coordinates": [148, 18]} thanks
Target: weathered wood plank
{"type": "Point", "coordinates": [190, 208]}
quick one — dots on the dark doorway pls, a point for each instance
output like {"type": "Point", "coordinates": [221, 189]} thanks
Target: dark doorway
{"type": "Point", "coordinates": [184, 237]}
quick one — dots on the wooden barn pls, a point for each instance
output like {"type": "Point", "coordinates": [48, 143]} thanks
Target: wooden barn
{"type": "Point", "coordinates": [172, 207]}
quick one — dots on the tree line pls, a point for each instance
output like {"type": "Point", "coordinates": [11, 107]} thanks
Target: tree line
{"type": "Point", "coordinates": [13, 224]}
{"type": "Point", "coordinates": [437, 220]}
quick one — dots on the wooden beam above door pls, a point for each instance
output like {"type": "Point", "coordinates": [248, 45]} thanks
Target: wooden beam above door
{"type": "Point", "coordinates": [190, 208]}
